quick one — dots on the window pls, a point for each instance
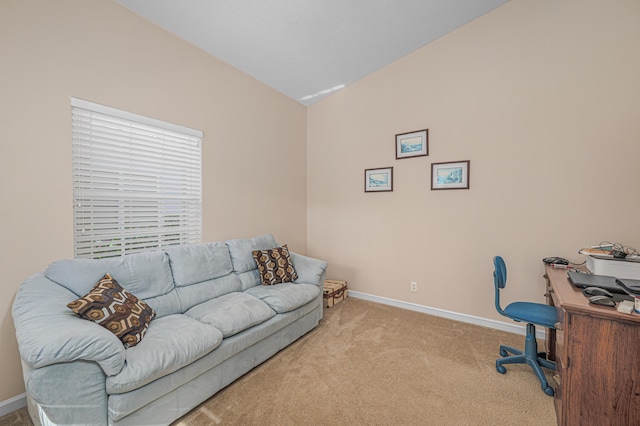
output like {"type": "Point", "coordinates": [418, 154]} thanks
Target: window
{"type": "Point", "coordinates": [137, 182]}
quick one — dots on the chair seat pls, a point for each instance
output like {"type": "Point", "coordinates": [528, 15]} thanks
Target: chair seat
{"type": "Point", "coordinates": [535, 313]}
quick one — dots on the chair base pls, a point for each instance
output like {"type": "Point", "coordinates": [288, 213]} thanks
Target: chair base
{"type": "Point", "coordinates": [530, 356]}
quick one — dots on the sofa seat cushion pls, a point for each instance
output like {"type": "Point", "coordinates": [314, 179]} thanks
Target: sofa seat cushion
{"type": "Point", "coordinates": [171, 343]}
{"type": "Point", "coordinates": [219, 367]}
{"type": "Point", "coordinates": [285, 297]}
{"type": "Point", "coordinates": [232, 313]}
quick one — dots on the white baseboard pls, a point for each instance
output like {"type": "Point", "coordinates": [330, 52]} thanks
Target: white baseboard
{"type": "Point", "coordinates": [13, 404]}
{"type": "Point", "coordinates": [484, 322]}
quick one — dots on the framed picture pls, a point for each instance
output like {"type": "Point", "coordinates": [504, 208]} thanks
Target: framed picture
{"type": "Point", "coordinates": [378, 180]}
{"type": "Point", "coordinates": [412, 144]}
{"type": "Point", "coordinates": [450, 175]}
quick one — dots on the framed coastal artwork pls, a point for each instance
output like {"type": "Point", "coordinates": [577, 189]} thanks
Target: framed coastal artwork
{"type": "Point", "coordinates": [412, 144]}
{"type": "Point", "coordinates": [378, 180]}
{"type": "Point", "coordinates": [450, 175]}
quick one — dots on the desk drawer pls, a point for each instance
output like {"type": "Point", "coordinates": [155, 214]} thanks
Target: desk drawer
{"type": "Point", "coordinates": [560, 352]}
{"type": "Point", "coordinates": [561, 336]}
{"type": "Point", "coordinates": [555, 337]}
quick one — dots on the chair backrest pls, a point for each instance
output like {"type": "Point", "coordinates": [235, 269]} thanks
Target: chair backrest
{"type": "Point", "coordinates": [499, 280]}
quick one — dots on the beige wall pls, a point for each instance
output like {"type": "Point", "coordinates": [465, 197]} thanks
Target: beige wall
{"type": "Point", "coordinates": [543, 97]}
{"type": "Point", "coordinates": [99, 51]}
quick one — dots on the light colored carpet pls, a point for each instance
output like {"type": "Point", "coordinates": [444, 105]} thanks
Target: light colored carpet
{"type": "Point", "coordinates": [372, 364]}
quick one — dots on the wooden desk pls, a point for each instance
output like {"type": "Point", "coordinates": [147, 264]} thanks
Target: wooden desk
{"type": "Point", "coordinates": [597, 354]}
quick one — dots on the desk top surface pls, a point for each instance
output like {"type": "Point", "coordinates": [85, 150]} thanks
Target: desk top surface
{"type": "Point", "coordinates": [572, 299]}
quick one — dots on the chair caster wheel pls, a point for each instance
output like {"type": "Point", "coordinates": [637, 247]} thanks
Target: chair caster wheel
{"type": "Point", "coordinates": [503, 352]}
{"type": "Point", "coordinates": [500, 369]}
{"type": "Point", "coordinates": [548, 390]}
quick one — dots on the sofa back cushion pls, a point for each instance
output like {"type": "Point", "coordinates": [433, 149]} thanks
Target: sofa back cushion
{"type": "Point", "coordinates": [202, 272]}
{"type": "Point", "coordinates": [195, 263]}
{"type": "Point", "coordinates": [147, 275]}
{"type": "Point", "coordinates": [241, 251]}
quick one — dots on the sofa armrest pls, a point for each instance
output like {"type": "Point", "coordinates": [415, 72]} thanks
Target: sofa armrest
{"type": "Point", "coordinates": [49, 333]}
{"type": "Point", "coordinates": [309, 269]}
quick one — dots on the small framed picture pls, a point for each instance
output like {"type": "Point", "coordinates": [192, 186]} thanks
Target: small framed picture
{"type": "Point", "coordinates": [450, 175]}
{"type": "Point", "coordinates": [412, 144]}
{"type": "Point", "coordinates": [378, 180]}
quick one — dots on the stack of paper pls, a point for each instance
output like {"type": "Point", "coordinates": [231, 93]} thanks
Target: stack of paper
{"type": "Point", "coordinates": [596, 252]}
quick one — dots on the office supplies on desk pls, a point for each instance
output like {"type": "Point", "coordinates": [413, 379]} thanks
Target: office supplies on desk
{"type": "Point", "coordinates": [554, 260]}
{"type": "Point", "coordinates": [626, 307]}
{"type": "Point", "coordinates": [603, 300]}
{"type": "Point", "coordinates": [631, 287]}
{"type": "Point", "coordinates": [597, 251]}
{"type": "Point", "coordinates": [598, 291]}
{"type": "Point", "coordinates": [622, 268]}
{"type": "Point", "coordinates": [582, 280]}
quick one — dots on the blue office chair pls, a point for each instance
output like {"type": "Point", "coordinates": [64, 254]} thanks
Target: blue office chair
{"type": "Point", "coordinates": [531, 313]}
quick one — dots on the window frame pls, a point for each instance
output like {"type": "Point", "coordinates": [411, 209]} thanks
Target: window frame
{"type": "Point", "coordinates": [137, 182]}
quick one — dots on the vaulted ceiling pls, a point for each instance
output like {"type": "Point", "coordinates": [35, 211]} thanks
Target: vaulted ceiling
{"type": "Point", "coordinates": [308, 49]}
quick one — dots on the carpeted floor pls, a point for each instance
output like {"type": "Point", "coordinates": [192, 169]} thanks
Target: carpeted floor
{"type": "Point", "coordinates": [372, 364]}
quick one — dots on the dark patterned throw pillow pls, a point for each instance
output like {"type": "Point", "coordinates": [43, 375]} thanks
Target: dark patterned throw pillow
{"type": "Point", "coordinates": [117, 310]}
{"type": "Point", "coordinates": [275, 266]}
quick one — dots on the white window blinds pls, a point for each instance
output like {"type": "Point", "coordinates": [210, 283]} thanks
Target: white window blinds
{"type": "Point", "coordinates": [137, 182]}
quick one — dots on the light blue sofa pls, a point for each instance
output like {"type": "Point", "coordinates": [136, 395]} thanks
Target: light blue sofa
{"type": "Point", "coordinates": [214, 323]}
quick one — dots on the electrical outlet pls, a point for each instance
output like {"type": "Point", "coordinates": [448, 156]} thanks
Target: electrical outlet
{"type": "Point", "coordinates": [414, 286]}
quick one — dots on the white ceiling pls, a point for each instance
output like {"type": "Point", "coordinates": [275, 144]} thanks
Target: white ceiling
{"type": "Point", "coordinates": [307, 49]}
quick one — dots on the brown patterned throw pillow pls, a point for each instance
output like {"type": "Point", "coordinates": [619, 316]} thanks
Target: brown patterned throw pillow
{"type": "Point", "coordinates": [117, 310]}
{"type": "Point", "coordinates": [275, 265]}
